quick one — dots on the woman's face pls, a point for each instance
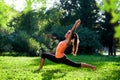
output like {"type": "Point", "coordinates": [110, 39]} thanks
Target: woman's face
{"type": "Point", "coordinates": [67, 34]}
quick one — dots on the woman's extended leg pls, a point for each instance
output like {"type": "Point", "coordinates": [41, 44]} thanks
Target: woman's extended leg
{"type": "Point", "coordinates": [88, 66]}
{"type": "Point", "coordinates": [75, 64]}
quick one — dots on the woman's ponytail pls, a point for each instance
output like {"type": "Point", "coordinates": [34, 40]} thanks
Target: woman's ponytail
{"type": "Point", "coordinates": [75, 43]}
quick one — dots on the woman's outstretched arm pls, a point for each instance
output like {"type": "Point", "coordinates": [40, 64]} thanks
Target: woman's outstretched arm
{"type": "Point", "coordinates": [75, 26]}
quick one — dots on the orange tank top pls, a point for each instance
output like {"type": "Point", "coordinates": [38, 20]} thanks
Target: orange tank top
{"type": "Point", "coordinates": [60, 49]}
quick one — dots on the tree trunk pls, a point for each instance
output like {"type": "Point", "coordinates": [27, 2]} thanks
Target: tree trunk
{"type": "Point", "coordinates": [112, 47]}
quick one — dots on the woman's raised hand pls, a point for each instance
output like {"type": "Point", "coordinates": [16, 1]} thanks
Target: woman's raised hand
{"type": "Point", "coordinates": [75, 26]}
{"type": "Point", "coordinates": [78, 22]}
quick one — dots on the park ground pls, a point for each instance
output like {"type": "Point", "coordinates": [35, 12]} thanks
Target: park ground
{"type": "Point", "coordinates": [26, 68]}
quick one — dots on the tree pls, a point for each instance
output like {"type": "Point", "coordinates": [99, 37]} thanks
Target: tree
{"type": "Point", "coordinates": [71, 11]}
{"type": "Point", "coordinates": [35, 24]}
{"type": "Point", "coordinates": [89, 41]}
{"type": "Point", "coordinates": [31, 3]}
{"type": "Point", "coordinates": [86, 10]}
{"type": "Point", "coordinates": [111, 8]}
{"type": "Point", "coordinates": [108, 39]}
{"type": "Point", "coordinates": [6, 14]}
{"type": "Point", "coordinates": [89, 13]}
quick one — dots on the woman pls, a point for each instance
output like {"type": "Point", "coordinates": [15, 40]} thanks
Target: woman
{"type": "Point", "coordinates": [60, 57]}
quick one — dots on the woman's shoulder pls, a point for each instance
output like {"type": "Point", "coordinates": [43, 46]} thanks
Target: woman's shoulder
{"type": "Point", "coordinates": [63, 42]}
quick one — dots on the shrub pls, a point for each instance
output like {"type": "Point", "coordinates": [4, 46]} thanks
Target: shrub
{"type": "Point", "coordinates": [22, 42]}
{"type": "Point", "coordinates": [47, 45]}
{"type": "Point", "coordinates": [4, 43]}
{"type": "Point", "coordinates": [33, 46]}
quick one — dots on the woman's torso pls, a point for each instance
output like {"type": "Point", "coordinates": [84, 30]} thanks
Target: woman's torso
{"type": "Point", "coordinates": [60, 49]}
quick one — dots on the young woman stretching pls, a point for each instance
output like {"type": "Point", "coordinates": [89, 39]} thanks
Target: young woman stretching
{"type": "Point", "coordinates": [60, 57]}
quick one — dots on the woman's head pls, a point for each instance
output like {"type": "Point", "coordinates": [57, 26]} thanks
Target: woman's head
{"type": "Point", "coordinates": [74, 35]}
{"type": "Point", "coordinates": [74, 40]}
{"type": "Point", "coordinates": [67, 34]}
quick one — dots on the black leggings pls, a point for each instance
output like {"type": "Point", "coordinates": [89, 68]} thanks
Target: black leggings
{"type": "Point", "coordinates": [63, 60]}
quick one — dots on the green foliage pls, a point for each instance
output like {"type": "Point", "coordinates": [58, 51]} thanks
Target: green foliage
{"type": "Point", "coordinates": [6, 14]}
{"type": "Point", "coordinates": [89, 13]}
{"type": "Point", "coordinates": [89, 41]}
{"type": "Point", "coordinates": [4, 43]}
{"type": "Point", "coordinates": [27, 32]}
{"type": "Point", "coordinates": [47, 45]}
{"type": "Point", "coordinates": [22, 42]}
{"type": "Point", "coordinates": [71, 11]}
{"type": "Point", "coordinates": [30, 3]}
{"type": "Point", "coordinates": [59, 31]}
{"type": "Point", "coordinates": [28, 22]}
{"type": "Point", "coordinates": [117, 29]}
{"type": "Point", "coordinates": [34, 27]}
{"type": "Point", "coordinates": [53, 19]}
{"type": "Point", "coordinates": [25, 68]}
{"type": "Point", "coordinates": [86, 10]}
{"type": "Point", "coordinates": [113, 6]}
{"type": "Point", "coordinates": [10, 53]}
{"type": "Point", "coordinates": [107, 30]}
{"type": "Point", "coordinates": [33, 47]}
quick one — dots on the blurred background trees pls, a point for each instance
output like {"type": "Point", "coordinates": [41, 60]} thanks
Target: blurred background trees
{"type": "Point", "coordinates": [38, 28]}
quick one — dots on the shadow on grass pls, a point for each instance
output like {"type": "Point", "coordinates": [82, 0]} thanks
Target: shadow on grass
{"type": "Point", "coordinates": [53, 74]}
{"type": "Point", "coordinates": [115, 75]}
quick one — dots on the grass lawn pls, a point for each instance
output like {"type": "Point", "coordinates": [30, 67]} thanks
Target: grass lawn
{"type": "Point", "coordinates": [25, 68]}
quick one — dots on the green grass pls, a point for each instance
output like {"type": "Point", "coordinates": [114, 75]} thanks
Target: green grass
{"type": "Point", "coordinates": [25, 68]}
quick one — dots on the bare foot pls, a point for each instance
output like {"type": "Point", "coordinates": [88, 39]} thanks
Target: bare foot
{"type": "Point", "coordinates": [93, 68]}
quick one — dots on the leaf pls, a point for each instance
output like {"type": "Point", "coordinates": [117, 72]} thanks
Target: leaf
{"type": "Point", "coordinates": [115, 17]}
{"type": "Point", "coordinates": [117, 34]}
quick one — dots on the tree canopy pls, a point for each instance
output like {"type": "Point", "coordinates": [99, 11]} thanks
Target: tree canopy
{"type": "Point", "coordinates": [38, 30]}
